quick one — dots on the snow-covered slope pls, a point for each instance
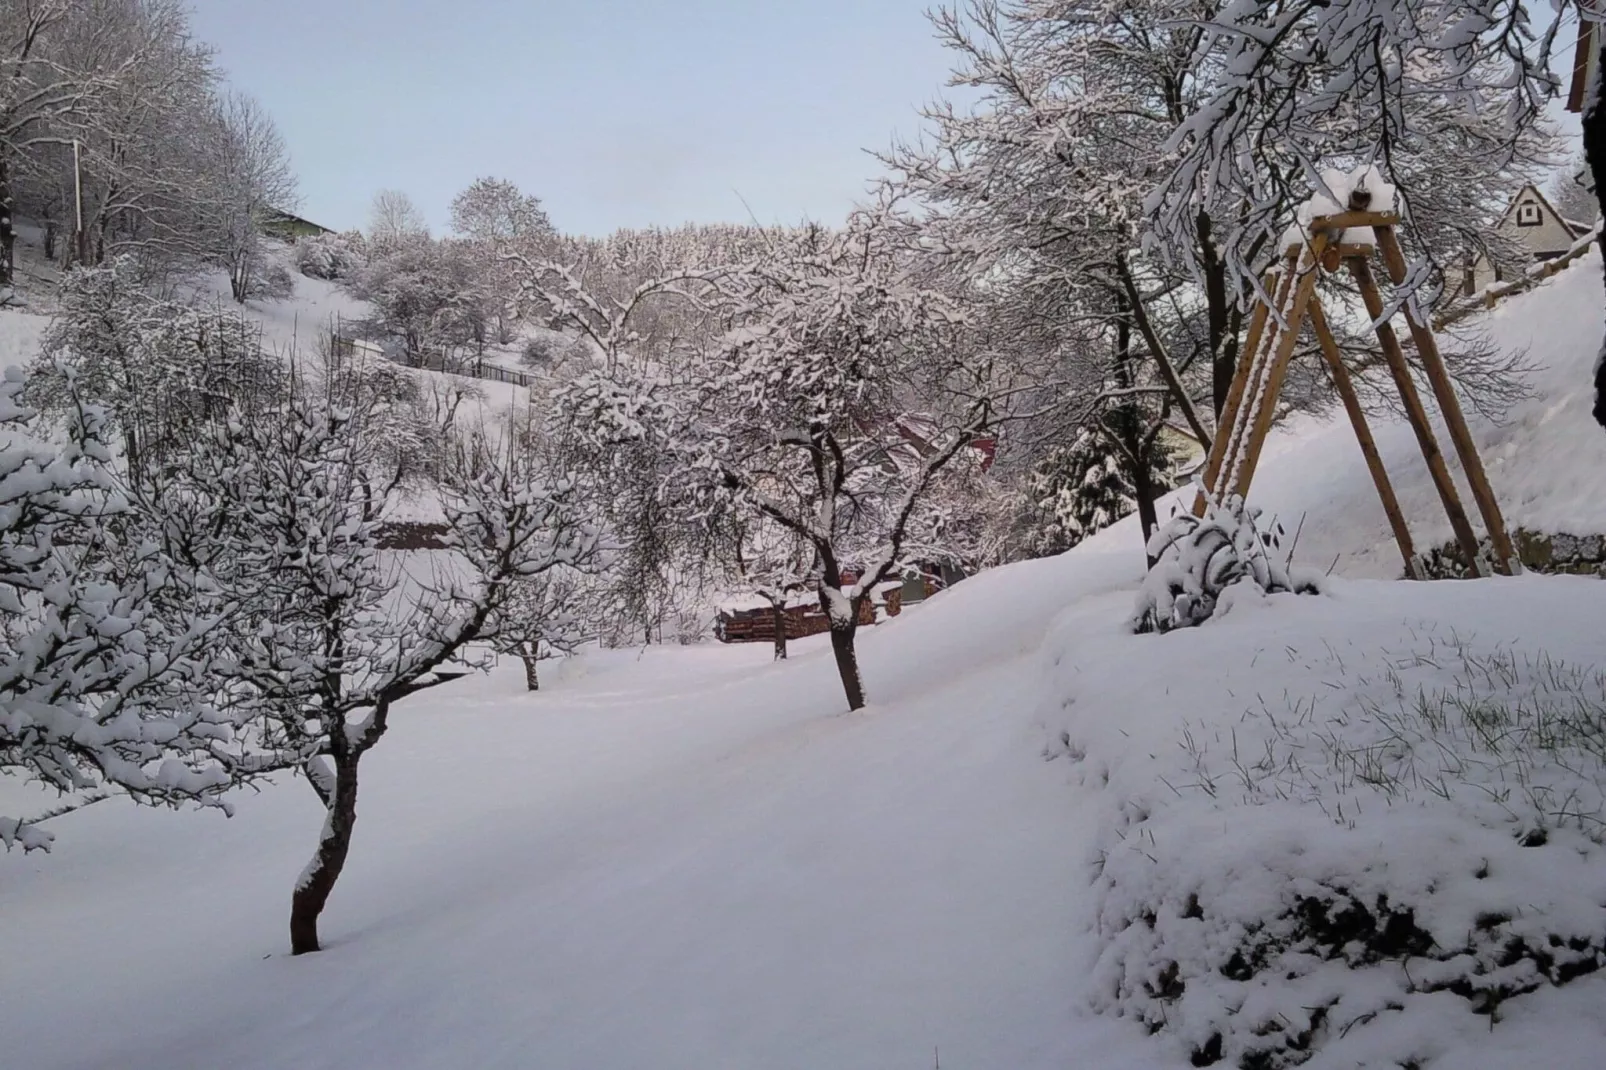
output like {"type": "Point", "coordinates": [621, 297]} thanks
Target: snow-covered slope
{"type": "Point", "coordinates": [690, 858]}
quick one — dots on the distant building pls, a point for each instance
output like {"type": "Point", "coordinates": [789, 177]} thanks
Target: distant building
{"type": "Point", "coordinates": [289, 227]}
{"type": "Point", "coordinates": [1532, 222]}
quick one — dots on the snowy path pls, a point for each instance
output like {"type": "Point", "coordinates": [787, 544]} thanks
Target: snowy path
{"type": "Point", "coordinates": [691, 862]}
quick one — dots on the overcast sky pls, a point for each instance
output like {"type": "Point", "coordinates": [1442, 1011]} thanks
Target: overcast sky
{"type": "Point", "coordinates": [614, 112]}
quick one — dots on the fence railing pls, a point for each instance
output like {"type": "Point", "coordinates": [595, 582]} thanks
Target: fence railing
{"type": "Point", "coordinates": [468, 367]}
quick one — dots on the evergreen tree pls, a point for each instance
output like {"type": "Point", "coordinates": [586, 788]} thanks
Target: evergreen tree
{"type": "Point", "coordinates": [1083, 488]}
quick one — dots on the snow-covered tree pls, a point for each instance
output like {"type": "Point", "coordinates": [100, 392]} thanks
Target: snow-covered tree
{"type": "Point", "coordinates": [842, 391]}
{"type": "Point", "coordinates": [1081, 489]}
{"type": "Point", "coordinates": [105, 636]}
{"type": "Point", "coordinates": [493, 216]}
{"type": "Point", "coordinates": [330, 256]}
{"type": "Point", "coordinates": [428, 297]}
{"type": "Point", "coordinates": [777, 565]}
{"type": "Point", "coordinates": [545, 616]}
{"type": "Point", "coordinates": [625, 421]}
{"type": "Point", "coordinates": [288, 505]}
{"type": "Point", "coordinates": [1436, 95]}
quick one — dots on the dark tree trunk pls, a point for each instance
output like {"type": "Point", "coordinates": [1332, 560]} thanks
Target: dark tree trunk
{"type": "Point", "coordinates": [842, 631]}
{"type": "Point", "coordinates": [532, 678]}
{"type": "Point", "coordinates": [1223, 340]}
{"type": "Point", "coordinates": [1143, 487]}
{"type": "Point", "coordinates": [312, 892]}
{"type": "Point", "coordinates": [1595, 153]}
{"type": "Point", "coordinates": [778, 611]}
{"type": "Point", "coordinates": [1127, 422]}
{"type": "Point", "coordinates": [847, 665]}
{"type": "Point", "coordinates": [8, 233]}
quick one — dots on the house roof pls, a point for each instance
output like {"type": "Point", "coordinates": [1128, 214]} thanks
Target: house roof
{"type": "Point", "coordinates": [1576, 229]}
{"type": "Point", "coordinates": [279, 215]}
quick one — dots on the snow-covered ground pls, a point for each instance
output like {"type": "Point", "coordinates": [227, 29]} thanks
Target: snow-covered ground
{"type": "Point", "coordinates": [689, 857]}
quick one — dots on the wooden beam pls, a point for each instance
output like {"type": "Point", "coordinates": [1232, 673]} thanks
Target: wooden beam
{"type": "Point", "coordinates": [1393, 258]}
{"type": "Point", "coordinates": [1245, 382]}
{"type": "Point", "coordinates": [1308, 272]}
{"type": "Point", "coordinates": [1345, 220]}
{"type": "Point", "coordinates": [1228, 416]}
{"type": "Point", "coordinates": [1363, 435]}
{"type": "Point", "coordinates": [1427, 348]}
{"type": "Point", "coordinates": [1415, 414]}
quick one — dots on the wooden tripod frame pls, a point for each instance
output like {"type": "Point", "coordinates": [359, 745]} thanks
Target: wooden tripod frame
{"type": "Point", "coordinates": [1252, 401]}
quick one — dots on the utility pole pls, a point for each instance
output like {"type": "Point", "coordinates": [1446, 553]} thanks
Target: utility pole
{"type": "Point", "coordinates": [80, 239]}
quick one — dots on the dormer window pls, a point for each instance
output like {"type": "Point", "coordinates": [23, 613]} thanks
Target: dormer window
{"type": "Point", "coordinates": [1528, 214]}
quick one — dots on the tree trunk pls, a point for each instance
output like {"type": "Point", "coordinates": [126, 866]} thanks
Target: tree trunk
{"type": "Point", "coordinates": [532, 679]}
{"type": "Point", "coordinates": [779, 616]}
{"type": "Point", "coordinates": [1143, 487]}
{"type": "Point", "coordinates": [1595, 153]}
{"type": "Point", "coordinates": [318, 879]}
{"type": "Point", "coordinates": [847, 665]}
{"type": "Point", "coordinates": [8, 233]}
{"type": "Point", "coordinates": [1223, 356]}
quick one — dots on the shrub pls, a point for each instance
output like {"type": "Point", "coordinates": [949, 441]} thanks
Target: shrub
{"type": "Point", "coordinates": [329, 256]}
{"type": "Point", "coordinates": [1197, 559]}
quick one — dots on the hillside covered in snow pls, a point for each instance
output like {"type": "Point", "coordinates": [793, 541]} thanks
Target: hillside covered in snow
{"type": "Point", "coordinates": [1355, 828]}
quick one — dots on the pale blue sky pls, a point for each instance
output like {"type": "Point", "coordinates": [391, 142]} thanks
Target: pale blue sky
{"type": "Point", "coordinates": [614, 112]}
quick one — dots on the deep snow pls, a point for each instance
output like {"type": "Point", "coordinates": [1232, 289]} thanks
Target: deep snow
{"type": "Point", "coordinates": [688, 857]}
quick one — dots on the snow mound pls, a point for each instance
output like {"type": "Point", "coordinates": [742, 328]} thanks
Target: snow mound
{"type": "Point", "coordinates": [1344, 829]}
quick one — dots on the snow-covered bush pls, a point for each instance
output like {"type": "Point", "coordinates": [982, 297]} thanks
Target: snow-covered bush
{"type": "Point", "coordinates": [1198, 560]}
{"type": "Point", "coordinates": [1349, 873]}
{"type": "Point", "coordinates": [160, 368]}
{"type": "Point", "coordinates": [103, 632]}
{"type": "Point", "coordinates": [329, 256]}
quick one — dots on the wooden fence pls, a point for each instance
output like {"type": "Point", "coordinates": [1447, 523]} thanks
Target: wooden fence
{"type": "Point", "coordinates": [1536, 274]}
{"type": "Point", "coordinates": [758, 625]}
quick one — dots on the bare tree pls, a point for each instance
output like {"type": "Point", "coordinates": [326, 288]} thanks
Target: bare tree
{"type": "Point", "coordinates": [1572, 191]}
{"type": "Point", "coordinates": [253, 178]}
{"type": "Point", "coordinates": [493, 209]}
{"type": "Point", "coordinates": [393, 218]}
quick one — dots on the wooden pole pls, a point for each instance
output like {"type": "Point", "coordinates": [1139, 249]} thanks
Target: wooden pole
{"type": "Point", "coordinates": [1363, 434]}
{"type": "Point", "coordinates": [80, 238]}
{"type": "Point", "coordinates": [1427, 347]}
{"type": "Point", "coordinates": [1231, 434]}
{"type": "Point", "coordinates": [1415, 413]}
{"type": "Point", "coordinates": [1278, 370]}
{"type": "Point", "coordinates": [1235, 395]}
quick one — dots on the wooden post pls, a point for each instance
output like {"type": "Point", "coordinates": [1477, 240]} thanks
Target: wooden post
{"type": "Point", "coordinates": [1415, 413]}
{"type": "Point", "coordinates": [1363, 434]}
{"type": "Point", "coordinates": [1230, 432]}
{"type": "Point", "coordinates": [1235, 395]}
{"type": "Point", "coordinates": [1278, 370]}
{"type": "Point", "coordinates": [1427, 348]}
